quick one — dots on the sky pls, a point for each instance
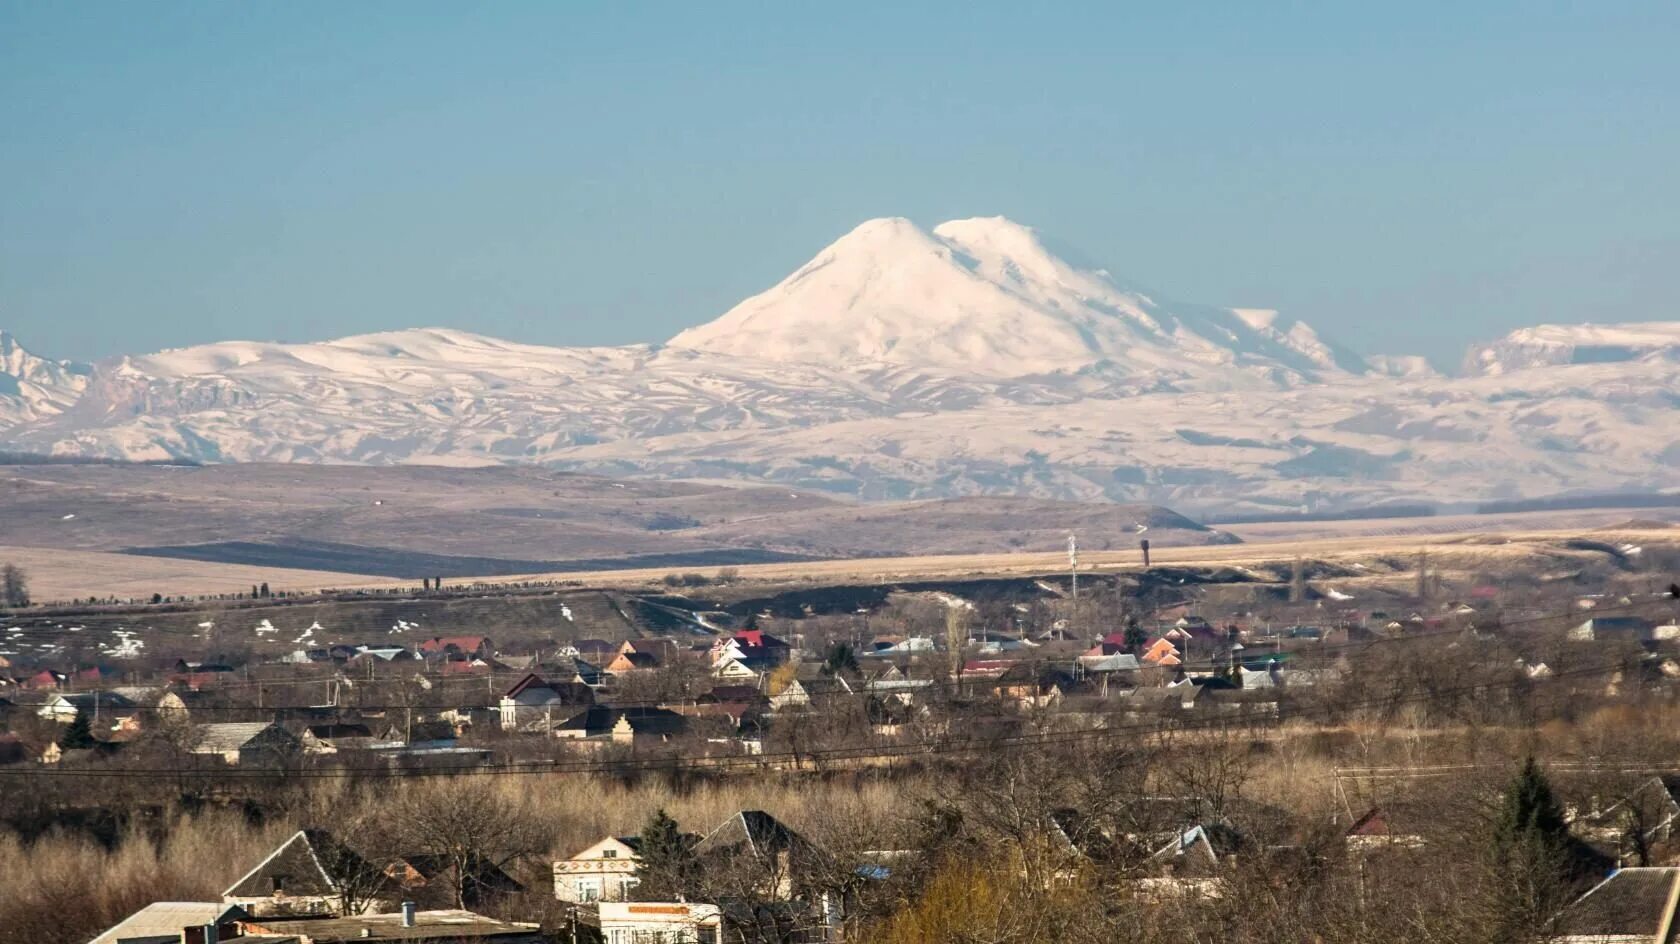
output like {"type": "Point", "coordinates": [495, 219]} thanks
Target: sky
{"type": "Point", "coordinates": [1409, 178]}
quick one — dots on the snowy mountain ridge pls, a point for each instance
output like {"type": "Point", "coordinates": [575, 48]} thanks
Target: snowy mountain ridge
{"type": "Point", "coordinates": [985, 296]}
{"type": "Point", "coordinates": [903, 363]}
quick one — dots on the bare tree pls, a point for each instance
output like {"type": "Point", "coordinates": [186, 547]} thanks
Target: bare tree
{"type": "Point", "coordinates": [468, 827]}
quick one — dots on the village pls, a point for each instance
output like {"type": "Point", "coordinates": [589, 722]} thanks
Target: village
{"type": "Point", "coordinates": [1114, 751]}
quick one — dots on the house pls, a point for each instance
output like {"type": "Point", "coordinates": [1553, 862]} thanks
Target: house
{"type": "Point", "coordinates": [532, 700]}
{"type": "Point", "coordinates": [469, 646]}
{"type": "Point", "coordinates": [1646, 816]}
{"type": "Point", "coordinates": [1600, 628]}
{"type": "Point", "coordinates": [174, 705]}
{"type": "Point", "coordinates": [418, 735]}
{"type": "Point", "coordinates": [311, 874]}
{"type": "Point", "coordinates": [1033, 685]}
{"type": "Point", "coordinates": [809, 683]}
{"type": "Point", "coordinates": [748, 669]}
{"type": "Point", "coordinates": [64, 707]}
{"type": "Point", "coordinates": [774, 857]}
{"type": "Point", "coordinates": [1190, 863]}
{"type": "Point", "coordinates": [992, 643]}
{"type": "Point", "coordinates": [332, 736]}
{"type": "Point", "coordinates": [763, 649]}
{"type": "Point", "coordinates": [592, 650]}
{"type": "Point", "coordinates": [432, 878]}
{"type": "Point", "coordinates": [1162, 652]}
{"type": "Point", "coordinates": [622, 725]}
{"type": "Point", "coordinates": [245, 743]}
{"type": "Point", "coordinates": [645, 922]}
{"type": "Point", "coordinates": [44, 681]}
{"type": "Point", "coordinates": [1267, 677]}
{"type": "Point", "coordinates": [1632, 905]}
{"type": "Point", "coordinates": [385, 653]}
{"type": "Point", "coordinates": [894, 686]}
{"type": "Point", "coordinates": [409, 926]}
{"type": "Point", "coordinates": [95, 675]}
{"type": "Point", "coordinates": [632, 662]}
{"type": "Point", "coordinates": [888, 648]}
{"type": "Point", "coordinates": [606, 871]}
{"type": "Point", "coordinates": [589, 674]}
{"type": "Point", "coordinates": [176, 922]}
{"type": "Point", "coordinates": [1374, 830]}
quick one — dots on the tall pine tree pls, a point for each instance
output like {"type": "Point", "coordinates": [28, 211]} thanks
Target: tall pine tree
{"type": "Point", "coordinates": [1533, 857]}
{"type": "Point", "coordinates": [665, 866]}
{"type": "Point", "coordinates": [79, 735]}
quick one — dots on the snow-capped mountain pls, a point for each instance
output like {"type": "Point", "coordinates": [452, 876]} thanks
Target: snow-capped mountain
{"type": "Point", "coordinates": [1553, 345]}
{"type": "Point", "coordinates": [906, 363]}
{"type": "Point", "coordinates": [985, 297]}
{"type": "Point", "coordinates": [33, 387]}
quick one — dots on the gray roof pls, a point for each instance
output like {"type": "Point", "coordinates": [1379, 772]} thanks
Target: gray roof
{"type": "Point", "coordinates": [1631, 902]}
{"type": "Point", "coordinates": [164, 920]}
{"type": "Point", "coordinates": [754, 831]}
{"type": "Point", "coordinates": [229, 735]}
{"type": "Point", "coordinates": [448, 925]}
{"type": "Point", "coordinates": [311, 862]}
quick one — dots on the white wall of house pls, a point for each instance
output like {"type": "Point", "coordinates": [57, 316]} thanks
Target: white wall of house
{"type": "Point", "coordinates": [605, 871]}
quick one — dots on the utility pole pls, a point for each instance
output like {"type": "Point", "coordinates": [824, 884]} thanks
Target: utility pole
{"type": "Point", "coordinates": [1073, 565]}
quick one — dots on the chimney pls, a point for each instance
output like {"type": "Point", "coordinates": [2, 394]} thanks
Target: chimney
{"type": "Point", "coordinates": [408, 914]}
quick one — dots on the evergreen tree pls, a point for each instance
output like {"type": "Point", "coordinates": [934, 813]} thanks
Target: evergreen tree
{"type": "Point", "coordinates": [14, 585]}
{"type": "Point", "coordinates": [1533, 856]}
{"type": "Point", "coordinates": [840, 659]}
{"type": "Point", "coordinates": [265, 590]}
{"type": "Point", "coordinates": [1136, 638]}
{"type": "Point", "coordinates": [78, 735]}
{"type": "Point", "coordinates": [665, 865]}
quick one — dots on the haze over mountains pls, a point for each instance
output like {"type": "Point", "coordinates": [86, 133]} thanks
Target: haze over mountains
{"type": "Point", "coordinates": [904, 363]}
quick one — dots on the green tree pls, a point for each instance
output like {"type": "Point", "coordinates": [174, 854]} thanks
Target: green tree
{"type": "Point", "coordinates": [1135, 638]}
{"type": "Point", "coordinates": [665, 864]}
{"type": "Point", "coordinates": [1532, 857]}
{"type": "Point", "coordinates": [840, 659]}
{"type": "Point", "coordinates": [79, 735]}
{"type": "Point", "coordinates": [14, 585]}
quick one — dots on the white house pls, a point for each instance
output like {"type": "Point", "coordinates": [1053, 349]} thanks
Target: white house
{"type": "Point", "coordinates": [606, 871]}
{"type": "Point", "coordinates": [666, 922]}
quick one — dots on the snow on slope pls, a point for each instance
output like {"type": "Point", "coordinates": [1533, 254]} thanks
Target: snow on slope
{"type": "Point", "coordinates": [901, 363]}
{"type": "Point", "coordinates": [33, 387]}
{"type": "Point", "coordinates": [1553, 345]}
{"type": "Point", "coordinates": [986, 297]}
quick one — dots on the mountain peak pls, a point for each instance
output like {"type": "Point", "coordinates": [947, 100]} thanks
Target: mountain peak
{"type": "Point", "coordinates": [984, 297]}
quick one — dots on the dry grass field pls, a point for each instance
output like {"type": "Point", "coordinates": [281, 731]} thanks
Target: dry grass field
{"type": "Point", "coordinates": [1539, 553]}
{"type": "Point", "coordinates": [60, 575]}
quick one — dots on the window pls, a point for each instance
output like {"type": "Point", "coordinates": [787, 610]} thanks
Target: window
{"type": "Point", "coordinates": [588, 889]}
{"type": "Point", "coordinates": [609, 853]}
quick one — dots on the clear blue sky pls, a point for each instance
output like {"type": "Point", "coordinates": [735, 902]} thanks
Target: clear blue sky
{"type": "Point", "coordinates": [1407, 176]}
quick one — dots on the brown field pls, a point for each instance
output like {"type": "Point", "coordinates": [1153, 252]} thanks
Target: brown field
{"type": "Point", "coordinates": [1541, 553]}
{"type": "Point", "coordinates": [59, 575]}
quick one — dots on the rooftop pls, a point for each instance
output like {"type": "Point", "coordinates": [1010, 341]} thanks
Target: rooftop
{"type": "Point", "coordinates": [450, 925]}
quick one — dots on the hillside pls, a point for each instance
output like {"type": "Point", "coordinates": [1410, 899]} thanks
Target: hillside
{"type": "Point", "coordinates": [413, 522]}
